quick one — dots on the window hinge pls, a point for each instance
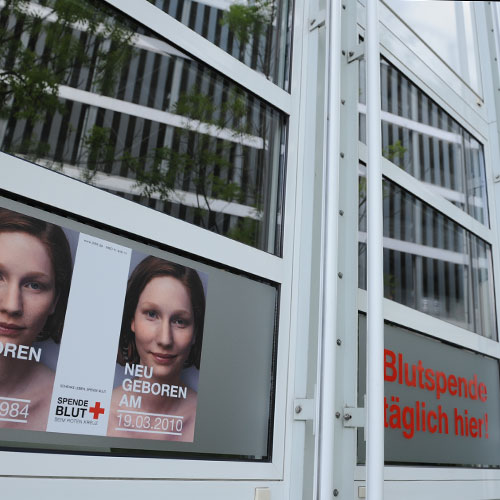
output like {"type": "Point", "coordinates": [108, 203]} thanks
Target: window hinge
{"type": "Point", "coordinates": [318, 20]}
{"type": "Point", "coordinates": [354, 417]}
{"type": "Point", "coordinates": [303, 409]}
{"type": "Point", "coordinates": [357, 53]}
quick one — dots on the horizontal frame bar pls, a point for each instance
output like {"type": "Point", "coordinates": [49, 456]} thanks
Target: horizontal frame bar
{"type": "Point", "coordinates": [172, 30]}
{"type": "Point", "coordinates": [158, 116]}
{"type": "Point", "coordinates": [54, 189]}
{"type": "Point", "coordinates": [417, 188]}
{"type": "Point", "coordinates": [400, 473]}
{"type": "Point", "coordinates": [434, 327]}
{"type": "Point", "coordinates": [54, 466]}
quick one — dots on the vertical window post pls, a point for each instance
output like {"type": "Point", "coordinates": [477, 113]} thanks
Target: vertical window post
{"type": "Point", "coordinates": [375, 337]}
{"type": "Point", "coordinates": [330, 257]}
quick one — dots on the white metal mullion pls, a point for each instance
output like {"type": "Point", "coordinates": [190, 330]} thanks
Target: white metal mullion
{"type": "Point", "coordinates": [440, 329]}
{"type": "Point", "coordinates": [401, 473]}
{"type": "Point", "coordinates": [327, 355]}
{"type": "Point", "coordinates": [491, 156]}
{"type": "Point", "coordinates": [283, 441]}
{"type": "Point", "coordinates": [375, 328]}
{"type": "Point", "coordinates": [346, 392]}
{"type": "Point", "coordinates": [295, 252]}
{"type": "Point", "coordinates": [54, 189]}
{"type": "Point", "coordinates": [414, 186]}
{"type": "Point", "coordinates": [171, 29]}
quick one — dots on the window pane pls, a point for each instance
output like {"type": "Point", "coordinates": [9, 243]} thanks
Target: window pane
{"type": "Point", "coordinates": [410, 440]}
{"type": "Point", "coordinates": [431, 263]}
{"type": "Point", "coordinates": [423, 140]}
{"type": "Point", "coordinates": [104, 100]}
{"type": "Point", "coordinates": [230, 369]}
{"type": "Point", "coordinates": [256, 32]}
{"type": "Point", "coordinates": [454, 41]}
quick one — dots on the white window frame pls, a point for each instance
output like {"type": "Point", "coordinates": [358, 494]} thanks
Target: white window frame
{"type": "Point", "coordinates": [52, 189]}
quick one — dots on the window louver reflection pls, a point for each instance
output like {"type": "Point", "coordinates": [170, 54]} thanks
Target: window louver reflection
{"type": "Point", "coordinates": [106, 101]}
{"type": "Point", "coordinates": [431, 264]}
{"type": "Point", "coordinates": [426, 142]}
{"type": "Point", "coordinates": [256, 32]}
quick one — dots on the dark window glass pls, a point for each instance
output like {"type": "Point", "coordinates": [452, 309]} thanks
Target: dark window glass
{"type": "Point", "coordinates": [89, 92]}
{"type": "Point", "coordinates": [431, 263]}
{"type": "Point", "coordinates": [423, 140]}
{"type": "Point", "coordinates": [256, 32]}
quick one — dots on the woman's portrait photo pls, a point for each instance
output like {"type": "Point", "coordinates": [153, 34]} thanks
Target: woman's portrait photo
{"type": "Point", "coordinates": [160, 349]}
{"type": "Point", "coordinates": [35, 279]}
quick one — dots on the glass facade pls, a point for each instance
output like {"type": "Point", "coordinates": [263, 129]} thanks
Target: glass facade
{"type": "Point", "coordinates": [426, 142]}
{"type": "Point", "coordinates": [176, 142]}
{"type": "Point", "coordinates": [432, 264]}
{"type": "Point", "coordinates": [257, 32]}
{"type": "Point", "coordinates": [106, 101]}
{"type": "Point", "coordinates": [456, 45]}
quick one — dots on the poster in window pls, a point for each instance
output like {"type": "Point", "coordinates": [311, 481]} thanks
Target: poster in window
{"type": "Point", "coordinates": [95, 338]}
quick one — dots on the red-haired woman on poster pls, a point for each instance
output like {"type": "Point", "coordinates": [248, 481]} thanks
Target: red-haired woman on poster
{"type": "Point", "coordinates": [35, 278]}
{"type": "Point", "coordinates": [161, 335]}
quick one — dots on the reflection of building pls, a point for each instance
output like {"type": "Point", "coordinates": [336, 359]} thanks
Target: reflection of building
{"type": "Point", "coordinates": [160, 108]}
{"type": "Point", "coordinates": [207, 19]}
{"type": "Point", "coordinates": [196, 126]}
{"type": "Point", "coordinates": [431, 263]}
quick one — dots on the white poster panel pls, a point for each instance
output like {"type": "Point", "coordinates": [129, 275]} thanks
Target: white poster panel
{"type": "Point", "coordinates": [85, 371]}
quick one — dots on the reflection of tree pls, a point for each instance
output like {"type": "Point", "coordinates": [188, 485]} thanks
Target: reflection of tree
{"type": "Point", "coordinates": [201, 157]}
{"type": "Point", "coordinates": [394, 153]}
{"type": "Point", "coordinates": [251, 23]}
{"type": "Point", "coordinates": [97, 152]}
{"type": "Point", "coordinates": [85, 45]}
{"type": "Point", "coordinates": [40, 51]}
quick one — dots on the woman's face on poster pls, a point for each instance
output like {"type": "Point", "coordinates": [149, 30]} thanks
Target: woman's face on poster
{"type": "Point", "coordinates": [163, 324]}
{"type": "Point", "coordinates": [27, 287]}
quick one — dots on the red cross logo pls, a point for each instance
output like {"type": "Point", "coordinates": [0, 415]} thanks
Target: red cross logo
{"type": "Point", "coordinates": [96, 410]}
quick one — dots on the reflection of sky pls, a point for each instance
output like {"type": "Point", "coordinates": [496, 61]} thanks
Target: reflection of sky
{"type": "Point", "coordinates": [436, 23]}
